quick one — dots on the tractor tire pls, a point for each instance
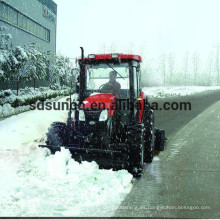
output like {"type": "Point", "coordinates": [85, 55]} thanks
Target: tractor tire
{"type": "Point", "coordinates": [135, 149]}
{"type": "Point", "coordinates": [58, 134]}
{"type": "Point", "coordinates": [149, 134]}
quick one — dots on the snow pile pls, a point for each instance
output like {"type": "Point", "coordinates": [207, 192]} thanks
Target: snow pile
{"type": "Point", "coordinates": [7, 110]}
{"type": "Point", "coordinates": [56, 185]}
{"type": "Point", "coordinates": [162, 92]}
{"type": "Point", "coordinates": [35, 183]}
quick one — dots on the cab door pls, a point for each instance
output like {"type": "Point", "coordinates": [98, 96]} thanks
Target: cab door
{"type": "Point", "coordinates": [137, 97]}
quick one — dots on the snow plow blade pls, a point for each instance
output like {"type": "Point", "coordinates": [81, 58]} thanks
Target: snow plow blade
{"type": "Point", "coordinates": [104, 158]}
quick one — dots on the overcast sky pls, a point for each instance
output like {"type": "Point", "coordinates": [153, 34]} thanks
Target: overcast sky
{"type": "Point", "coordinates": [157, 26]}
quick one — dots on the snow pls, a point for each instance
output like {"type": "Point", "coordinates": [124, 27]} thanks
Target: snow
{"type": "Point", "coordinates": [162, 92]}
{"type": "Point", "coordinates": [23, 54]}
{"type": "Point", "coordinates": [8, 97]}
{"type": "Point", "coordinates": [7, 110]}
{"type": "Point", "coordinates": [2, 58]}
{"type": "Point", "coordinates": [27, 127]}
{"type": "Point", "coordinates": [156, 158]}
{"type": "Point", "coordinates": [56, 185]}
{"type": "Point", "coordinates": [35, 183]}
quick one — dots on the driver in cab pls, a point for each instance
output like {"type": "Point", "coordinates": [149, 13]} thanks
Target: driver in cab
{"type": "Point", "coordinates": [112, 86]}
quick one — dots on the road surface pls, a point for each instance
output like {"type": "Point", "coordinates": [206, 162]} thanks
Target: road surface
{"type": "Point", "coordinates": [183, 182]}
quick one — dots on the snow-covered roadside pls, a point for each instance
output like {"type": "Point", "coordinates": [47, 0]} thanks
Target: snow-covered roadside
{"type": "Point", "coordinates": [162, 92]}
{"type": "Point", "coordinates": [7, 110]}
{"type": "Point", "coordinates": [35, 183]}
{"type": "Point", "coordinates": [8, 99]}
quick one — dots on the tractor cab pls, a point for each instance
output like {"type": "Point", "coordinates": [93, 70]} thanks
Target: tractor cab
{"type": "Point", "coordinates": [110, 78]}
{"type": "Point", "coordinates": [98, 69]}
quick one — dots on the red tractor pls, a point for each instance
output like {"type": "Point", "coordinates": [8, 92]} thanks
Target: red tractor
{"type": "Point", "coordinates": [114, 125]}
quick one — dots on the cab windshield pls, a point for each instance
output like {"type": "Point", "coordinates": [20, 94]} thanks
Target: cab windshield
{"type": "Point", "coordinates": [98, 75]}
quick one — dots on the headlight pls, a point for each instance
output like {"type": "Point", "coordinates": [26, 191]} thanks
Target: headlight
{"type": "Point", "coordinates": [104, 115]}
{"type": "Point", "coordinates": [81, 115]}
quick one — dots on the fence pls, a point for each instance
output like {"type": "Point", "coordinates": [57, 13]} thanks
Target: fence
{"type": "Point", "coordinates": [12, 84]}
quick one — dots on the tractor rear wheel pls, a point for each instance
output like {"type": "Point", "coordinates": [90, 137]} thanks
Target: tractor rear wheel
{"type": "Point", "coordinates": [149, 134]}
{"type": "Point", "coordinates": [58, 134]}
{"type": "Point", "coordinates": [135, 149]}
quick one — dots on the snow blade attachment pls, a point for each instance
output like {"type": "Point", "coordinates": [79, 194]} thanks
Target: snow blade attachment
{"type": "Point", "coordinates": [104, 158]}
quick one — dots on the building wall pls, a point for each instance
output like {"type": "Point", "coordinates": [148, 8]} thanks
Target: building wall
{"type": "Point", "coordinates": [40, 19]}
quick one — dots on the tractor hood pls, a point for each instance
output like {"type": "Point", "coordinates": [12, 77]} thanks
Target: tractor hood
{"type": "Point", "coordinates": [100, 101]}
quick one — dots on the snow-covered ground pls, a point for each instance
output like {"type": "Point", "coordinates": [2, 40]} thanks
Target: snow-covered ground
{"type": "Point", "coordinates": [162, 92]}
{"type": "Point", "coordinates": [35, 183]}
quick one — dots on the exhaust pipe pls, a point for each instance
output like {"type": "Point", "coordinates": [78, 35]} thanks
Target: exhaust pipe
{"type": "Point", "coordinates": [82, 78]}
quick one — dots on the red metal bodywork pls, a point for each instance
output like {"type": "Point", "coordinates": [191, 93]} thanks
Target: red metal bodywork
{"type": "Point", "coordinates": [96, 102]}
{"type": "Point", "coordinates": [120, 56]}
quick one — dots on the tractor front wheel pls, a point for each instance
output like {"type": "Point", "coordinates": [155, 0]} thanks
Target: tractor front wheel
{"type": "Point", "coordinates": [58, 134]}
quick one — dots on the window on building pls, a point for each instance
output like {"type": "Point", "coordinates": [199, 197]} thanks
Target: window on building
{"type": "Point", "coordinates": [38, 30]}
{"type": "Point", "coordinates": [47, 37]}
{"type": "Point", "coordinates": [12, 16]}
{"type": "Point", "coordinates": [29, 25]}
{"type": "Point", "coordinates": [22, 21]}
{"type": "Point", "coordinates": [1, 10]}
{"type": "Point", "coordinates": [42, 32]}
{"type": "Point", "coordinates": [4, 12]}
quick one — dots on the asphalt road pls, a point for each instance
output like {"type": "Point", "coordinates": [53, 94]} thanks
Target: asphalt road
{"type": "Point", "coordinates": [174, 120]}
{"type": "Point", "coordinates": [183, 181]}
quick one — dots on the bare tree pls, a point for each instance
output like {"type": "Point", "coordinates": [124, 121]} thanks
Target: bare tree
{"type": "Point", "coordinates": [210, 61]}
{"type": "Point", "coordinates": [195, 59]}
{"type": "Point", "coordinates": [130, 47]}
{"type": "Point", "coordinates": [217, 61]}
{"type": "Point", "coordinates": [146, 73]}
{"type": "Point", "coordinates": [185, 66]}
{"type": "Point", "coordinates": [111, 48]}
{"type": "Point", "coordinates": [171, 66]}
{"type": "Point", "coordinates": [163, 67]}
{"type": "Point", "coordinates": [102, 48]}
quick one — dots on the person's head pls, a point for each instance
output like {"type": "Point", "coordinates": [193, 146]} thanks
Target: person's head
{"type": "Point", "coordinates": [112, 76]}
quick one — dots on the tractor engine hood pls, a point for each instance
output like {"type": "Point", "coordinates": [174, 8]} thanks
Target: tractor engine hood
{"type": "Point", "coordinates": [100, 101]}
